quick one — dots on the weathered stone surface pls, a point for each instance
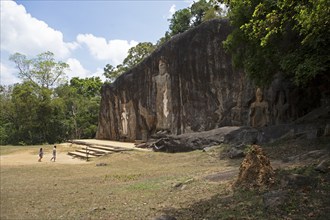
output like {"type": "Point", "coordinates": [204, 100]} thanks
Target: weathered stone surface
{"type": "Point", "coordinates": [235, 153]}
{"type": "Point", "coordinates": [189, 85]}
{"type": "Point", "coordinates": [324, 166]}
{"type": "Point", "coordinates": [273, 200]}
{"type": "Point", "coordinates": [312, 156]}
{"type": "Point", "coordinates": [240, 136]}
{"type": "Point", "coordinates": [205, 139]}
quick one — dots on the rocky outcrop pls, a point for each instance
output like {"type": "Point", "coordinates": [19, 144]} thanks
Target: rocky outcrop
{"type": "Point", "coordinates": [313, 125]}
{"type": "Point", "coordinates": [189, 85]}
{"type": "Point", "coordinates": [204, 139]}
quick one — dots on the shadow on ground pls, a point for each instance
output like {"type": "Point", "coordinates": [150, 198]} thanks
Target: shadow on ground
{"type": "Point", "coordinates": [300, 190]}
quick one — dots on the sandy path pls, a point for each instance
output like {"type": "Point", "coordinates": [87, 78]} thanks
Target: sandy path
{"type": "Point", "coordinates": [30, 156]}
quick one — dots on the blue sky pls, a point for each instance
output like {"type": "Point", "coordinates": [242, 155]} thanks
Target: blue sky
{"type": "Point", "coordinates": [85, 34]}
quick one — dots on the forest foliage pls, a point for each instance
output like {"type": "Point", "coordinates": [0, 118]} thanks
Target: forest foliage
{"type": "Point", "coordinates": [281, 36]}
{"type": "Point", "coordinates": [44, 108]}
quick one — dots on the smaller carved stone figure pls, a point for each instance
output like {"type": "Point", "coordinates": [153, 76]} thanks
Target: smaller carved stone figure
{"type": "Point", "coordinates": [124, 122]}
{"type": "Point", "coordinates": [259, 113]}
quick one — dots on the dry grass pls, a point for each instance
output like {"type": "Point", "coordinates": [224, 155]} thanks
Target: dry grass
{"type": "Point", "coordinates": [142, 185]}
{"type": "Point", "coordinates": [133, 185]}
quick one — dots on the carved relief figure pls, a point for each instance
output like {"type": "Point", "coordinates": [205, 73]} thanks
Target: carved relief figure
{"type": "Point", "coordinates": [259, 113]}
{"type": "Point", "coordinates": [124, 121]}
{"type": "Point", "coordinates": [163, 96]}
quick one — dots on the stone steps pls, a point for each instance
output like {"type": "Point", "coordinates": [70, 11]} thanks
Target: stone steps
{"type": "Point", "coordinates": [97, 154]}
{"type": "Point", "coordinates": [80, 155]}
{"type": "Point", "coordinates": [89, 150]}
{"type": "Point", "coordinates": [97, 150]}
{"type": "Point", "coordinates": [109, 148]}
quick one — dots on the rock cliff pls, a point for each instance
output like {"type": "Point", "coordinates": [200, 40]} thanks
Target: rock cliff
{"type": "Point", "coordinates": [189, 85]}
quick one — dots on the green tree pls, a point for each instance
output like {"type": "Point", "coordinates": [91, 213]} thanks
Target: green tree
{"type": "Point", "coordinates": [85, 106]}
{"type": "Point", "coordinates": [281, 36]}
{"type": "Point", "coordinates": [164, 39]}
{"type": "Point", "coordinates": [6, 114]}
{"type": "Point", "coordinates": [81, 99]}
{"type": "Point", "coordinates": [34, 118]}
{"type": "Point", "coordinates": [194, 15]}
{"type": "Point", "coordinates": [26, 104]}
{"type": "Point", "coordinates": [180, 21]}
{"type": "Point", "coordinates": [200, 8]}
{"type": "Point", "coordinates": [111, 73]}
{"type": "Point", "coordinates": [138, 53]}
{"type": "Point", "coordinates": [135, 55]}
{"type": "Point", "coordinates": [88, 87]}
{"type": "Point", "coordinates": [43, 110]}
{"type": "Point", "coordinates": [43, 70]}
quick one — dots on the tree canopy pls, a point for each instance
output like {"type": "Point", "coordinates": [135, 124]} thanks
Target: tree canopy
{"type": "Point", "coordinates": [280, 36]}
{"type": "Point", "coordinates": [193, 16]}
{"type": "Point", "coordinates": [135, 55]}
{"type": "Point", "coordinates": [42, 70]}
{"type": "Point", "coordinates": [44, 108]}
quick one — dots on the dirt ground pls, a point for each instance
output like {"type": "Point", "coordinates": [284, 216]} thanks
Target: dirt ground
{"type": "Point", "coordinates": [30, 156]}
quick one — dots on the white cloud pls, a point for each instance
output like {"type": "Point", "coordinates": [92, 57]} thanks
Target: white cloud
{"type": "Point", "coordinates": [76, 69]}
{"type": "Point", "coordinates": [20, 32]}
{"type": "Point", "coordinates": [8, 75]}
{"type": "Point", "coordinates": [114, 51]}
{"type": "Point", "coordinates": [171, 11]}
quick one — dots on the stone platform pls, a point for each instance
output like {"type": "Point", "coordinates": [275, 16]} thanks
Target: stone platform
{"type": "Point", "coordinates": [91, 148]}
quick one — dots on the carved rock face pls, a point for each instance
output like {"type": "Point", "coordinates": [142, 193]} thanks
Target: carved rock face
{"type": "Point", "coordinates": [259, 112]}
{"type": "Point", "coordinates": [162, 82]}
{"type": "Point", "coordinates": [186, 85]}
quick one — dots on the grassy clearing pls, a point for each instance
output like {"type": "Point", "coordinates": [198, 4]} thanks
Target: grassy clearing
{"type": "Point", "coordinates": [133, 185]}
{"type": "Point", "coordinates": [142, 185]}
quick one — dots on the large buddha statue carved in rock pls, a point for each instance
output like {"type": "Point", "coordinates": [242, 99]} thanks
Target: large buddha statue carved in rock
{"type": "Point", "coordinates": [259, 112]}
{"type": "Point", "coordinates": [163, 96]}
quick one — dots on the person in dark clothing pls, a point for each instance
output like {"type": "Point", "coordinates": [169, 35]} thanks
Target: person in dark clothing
{"type": "Point", "coordinates": [41, 154]}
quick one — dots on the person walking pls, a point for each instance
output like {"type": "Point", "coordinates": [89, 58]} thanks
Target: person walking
{"type": "Point", "coordinates": [41, 154]}
{"type": "Point", "coordinates": [54, 154]}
